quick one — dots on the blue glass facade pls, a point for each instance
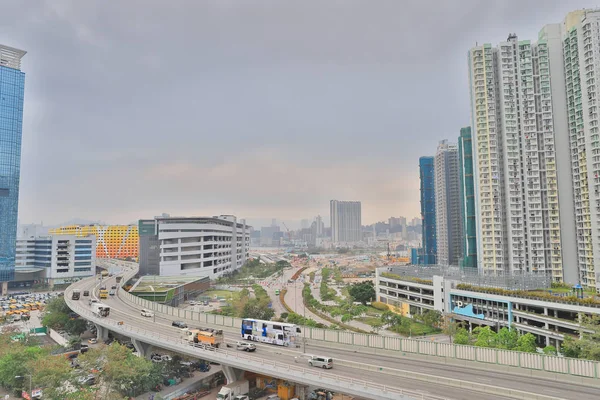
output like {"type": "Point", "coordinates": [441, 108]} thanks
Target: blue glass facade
{"type": "Point", "coordinates": [426, 172]}
{"type": "Point", "coordinates": [12, 83]}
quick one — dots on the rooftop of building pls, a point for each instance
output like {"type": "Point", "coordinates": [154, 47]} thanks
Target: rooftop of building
{"type": "Point", "coordinates": [161, 284]}
{"type": "Point", "coordinates": [528, 286]}
{"type": "Point", "coordinates": [11, 57]}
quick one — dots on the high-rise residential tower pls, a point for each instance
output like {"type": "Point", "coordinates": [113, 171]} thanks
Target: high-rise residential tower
{"type": "Point", "coordinates": [581, 51]}
{"type": "Point", "coordinates": [426, 173]}
{"type": "Point", "coordinates": [12, 85]}
{"type": "Point", "coordinates": [467, 199]}
{"type": "Point", "coordinates": [516, 190]}
{"type": "Point", "coordinates": [447, 204]}
{"type": "Point", "coordinates": [345, 221]}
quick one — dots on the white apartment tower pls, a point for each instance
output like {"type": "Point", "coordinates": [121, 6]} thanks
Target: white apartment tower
{"type": "Point", "coordinates": [516, 189]}
{"type": "Point", "coordinates": [581, 49]}
{"type": "Point", "coordinates": [345, 221]}
{"type": "Point", "coordinates": [447, 204]}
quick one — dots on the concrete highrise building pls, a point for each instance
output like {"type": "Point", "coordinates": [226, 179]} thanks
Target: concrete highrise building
{"type": "Point", "coordinates": [447, 204]}
{"type": "Point", "coordinates": [12, 85]}
{"type": "Point", "coordinates": [581, 57]}
{"type": "Point", "coordinates": [427, 179]}
{"type": "Point", "coordinates": [514, 158]}
{"type": "Point", "coordinates": [345, 221]}
{"type": "Point", "coordinates": [467, 199]}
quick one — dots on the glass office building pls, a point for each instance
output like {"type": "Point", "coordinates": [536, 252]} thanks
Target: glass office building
{"type": "Point", "coordinates": [12, 82]}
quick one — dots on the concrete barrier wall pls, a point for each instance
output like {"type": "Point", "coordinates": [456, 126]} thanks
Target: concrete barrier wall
{"type": "Point", "coordinates": [529, 361]}
{"type": "Point", "coordinates": [57, 337]}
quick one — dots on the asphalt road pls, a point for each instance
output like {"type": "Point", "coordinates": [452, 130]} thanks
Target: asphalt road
{"type": "Point", "coordinates": [131, 315]}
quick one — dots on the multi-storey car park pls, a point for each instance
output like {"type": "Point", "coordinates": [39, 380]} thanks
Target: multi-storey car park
{"type": "Point", "coordinates": [476, 301]}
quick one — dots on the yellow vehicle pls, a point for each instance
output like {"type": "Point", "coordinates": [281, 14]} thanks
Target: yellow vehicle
{"type": "Point", "coordinates": [104, 273]}
{"type": "Point", "coordinates": [207, 336]}
{"type": "Point", "coordinates": [103, 294]}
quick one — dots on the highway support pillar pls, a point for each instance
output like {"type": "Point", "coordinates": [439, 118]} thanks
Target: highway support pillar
{"type": "Point", "coordinates": [232, 374]}
{"type": "Point", "coordinates": [142, 348]}
{"type": "Point", "coordinates": [3, 288]}
{"type": "Point", "coordinates": [101, 333]}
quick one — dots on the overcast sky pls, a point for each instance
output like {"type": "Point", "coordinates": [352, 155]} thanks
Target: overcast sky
{"type": "Point", "coordinates": [262, 109]}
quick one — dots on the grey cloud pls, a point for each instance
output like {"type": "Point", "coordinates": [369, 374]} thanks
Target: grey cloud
{"type": "Point", "coordinates": [345, 95]}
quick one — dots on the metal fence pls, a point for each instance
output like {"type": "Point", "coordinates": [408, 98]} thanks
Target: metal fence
{"type": "Point", "coordinates": [514, 280]}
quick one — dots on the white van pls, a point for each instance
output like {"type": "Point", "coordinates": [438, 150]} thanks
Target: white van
{"type": "Point", "coordinates": [147, 313]}
{"type": "Point", "coordinates": [320, 362]}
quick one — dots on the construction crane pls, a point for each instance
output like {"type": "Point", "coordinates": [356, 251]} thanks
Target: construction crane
{"type": "Point", "coordinates": [288, 232]}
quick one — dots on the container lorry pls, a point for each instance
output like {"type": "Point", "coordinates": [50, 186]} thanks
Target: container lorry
{"type": "Point", "coordinates": [231, 391]}
{"type": "Point", "coordinates": [207, 336]}
{"type": "Point", "coordinates": [101, 310]}
{"type": "Point", "coordinates": [76, 294]}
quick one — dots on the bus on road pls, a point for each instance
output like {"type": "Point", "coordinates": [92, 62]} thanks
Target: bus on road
{"type": "Point", "coordinates": [272, 332]}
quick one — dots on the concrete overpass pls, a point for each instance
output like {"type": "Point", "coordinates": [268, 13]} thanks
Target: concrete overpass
{"type": "Point", "coordinates": [375, 376]}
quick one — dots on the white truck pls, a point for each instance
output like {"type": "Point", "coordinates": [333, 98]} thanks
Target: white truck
{"type": "Point", "coordinates": [234, 390]}
{"type": "Point", "coordinates": [101, 310]}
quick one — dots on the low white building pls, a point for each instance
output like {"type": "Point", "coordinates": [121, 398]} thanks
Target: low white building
{"type": "Point", "coordinates": [199, 246]}
{"type": "Point", "coordinates": [55, 259]}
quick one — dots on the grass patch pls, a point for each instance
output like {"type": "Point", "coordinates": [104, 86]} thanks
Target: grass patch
{"type": "Point", "coordinates": [369, 320]}
{"type": "Point", "coordinates": [415, 329]}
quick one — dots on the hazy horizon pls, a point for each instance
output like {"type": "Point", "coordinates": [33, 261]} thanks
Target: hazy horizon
{"type": "Point", "coordinates": [256, 109]}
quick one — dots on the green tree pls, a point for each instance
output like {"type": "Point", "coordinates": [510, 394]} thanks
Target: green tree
{"type": "Point", "coordinates": [484, 337]}
{"type": "Point", "coordinates": [507, 339]}
{"type": "Point", "coordinates": [57, 317]}
{"type": "Point", "coordinates": [526, 343]}
{"type": "Point", "coordinates": [120, 372]}
{"type": "Point", "coordinates": [432, 318]}
{"type": "Point", "coordinates": [363, 292]}
{"type": "Point", "coordinates": [347, 317]}
{"type": "Point", "coordinates": [590, 338]}
{"type": "Point", "coordinates": [550, 350]}
{"type": "Point", "coordinates": [571, 348]}
{"type": "Point", "coordinates": [462, 336]}
{"type": "Point", "coordinates": [391, 319]}
{"type": "Point", "coordinates": [449, 326]}
{"type": "Point", "coordinates": [254, 308]}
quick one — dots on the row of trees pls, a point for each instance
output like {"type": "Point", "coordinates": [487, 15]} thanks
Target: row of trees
{"type": "Point", "coordinates": [588, 346]}
{"type": "Point", "coordinates": [505, 338]}
{"type": "Point", "coordinates": [118, 371]}
{"type": "Point", "coordinates": [326, 293]}
{"type": "Point", "coordinates": [255, 269]}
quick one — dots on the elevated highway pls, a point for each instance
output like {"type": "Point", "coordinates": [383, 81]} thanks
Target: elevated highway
{"type": "Point", "coordinates": [375, 376]}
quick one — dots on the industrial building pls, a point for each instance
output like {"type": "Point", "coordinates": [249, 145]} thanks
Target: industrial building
{"type": "Point", "coordinates": [193, 246]}
{"type": "Point", "coordinates": [54, 260]}
{"type": "Point", "coordinates": [112, 241]}
{"type": "Point", "coordinates": [479, 300]}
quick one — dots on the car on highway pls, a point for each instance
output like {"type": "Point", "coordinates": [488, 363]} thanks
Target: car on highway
{"type": "Point", "coordinates": [147, 313]}
{"type": "Point", "coordinates": [179, 324]}
{"type": "Point", "coordinates": [112, 292]}
{"type": "Point", "coordinates": [245, 346]}
{"type": "Point", "coordinates": [86, 293]}
{"type": "Point", "coordinates": [92, 301]}
{"type": "Point", "coordinates": [320, 362]}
